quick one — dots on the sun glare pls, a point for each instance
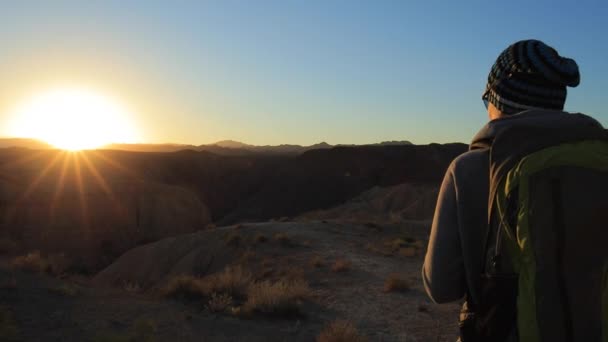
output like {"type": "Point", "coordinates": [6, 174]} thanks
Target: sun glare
{"type": "Point", "coordinates": [73, 119]}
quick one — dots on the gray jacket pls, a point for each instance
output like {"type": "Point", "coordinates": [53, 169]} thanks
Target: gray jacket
{"type": "Point", "coordinates": [452, 265]}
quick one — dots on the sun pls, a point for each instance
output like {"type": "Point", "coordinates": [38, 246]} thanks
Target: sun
{"type": "Point", "coordinates": [73, 119]}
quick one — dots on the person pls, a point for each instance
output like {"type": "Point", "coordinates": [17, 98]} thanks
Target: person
{"type": "Point", "coordinates": [528, 83]}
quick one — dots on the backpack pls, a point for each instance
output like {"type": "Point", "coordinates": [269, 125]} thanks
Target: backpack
{"type": "Point", "coordinates": [545, 258]}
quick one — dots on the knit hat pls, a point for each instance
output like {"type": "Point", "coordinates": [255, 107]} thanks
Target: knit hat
{"type": "Point", "coordinates": [530, 75]}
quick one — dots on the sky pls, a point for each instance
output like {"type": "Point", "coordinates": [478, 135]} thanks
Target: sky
{"type": "Point", "coordinates": [299, 72]}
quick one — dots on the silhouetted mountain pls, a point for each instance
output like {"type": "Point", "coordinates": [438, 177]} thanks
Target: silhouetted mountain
{"type": "Point", "coordinates": [110, 200]}
{"type": "Point", "coordinates": [150, 147]}
{"type": "Point", "coordinates": [238, 147]}
{"type": "Point", "coordinates": [23, 143]}
{"type": "Point", "coordinates": [320, 179]}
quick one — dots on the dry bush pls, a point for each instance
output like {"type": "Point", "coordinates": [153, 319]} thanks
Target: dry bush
{"type": "Point", "coordinates": [233, 239]}
{"type": "Point", "coordinates": [55, 264]}
{"type": "Point", "coordinates": [233, 281]}
{"type": "Point", "coordinates": [317, 261]}
{"type": "Point", "coordinates": [396, 283]}
{"type": "Point", "coordinates": [282, 298]}
{"type": "Point", "coordinates": [131, 287]}
{"type": "Point", "coordinates": [210, 226]}
{"type": "Point", "coordinates": [283, 238]}
{"type": "Point", "coordinates": [186, 287]}
{"type": "Point", "coordinates": [341, 265]}
{"type": "Point", "coordinates": [408, 252]}
{"type": "Point", "coordinates": [260, 238]}
{"type": "Point", "coordinates": [341, 331]}
{"type": "Point", "coordinates": [31, 262]}
{"type": "Point", "coordinates": [219, 302]}
{"type": "Point", "coordinates": [405, 246]}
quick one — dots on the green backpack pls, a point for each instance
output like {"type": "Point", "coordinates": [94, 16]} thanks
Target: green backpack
{"type": "Point", "coordinates": [546, 252]}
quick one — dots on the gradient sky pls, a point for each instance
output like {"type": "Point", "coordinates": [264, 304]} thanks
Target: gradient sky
{"type": "Point", "coordinates": [271, 72]}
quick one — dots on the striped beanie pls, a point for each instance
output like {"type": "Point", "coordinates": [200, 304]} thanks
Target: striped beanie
{"type": "Point", "coordinates": [530, 75]}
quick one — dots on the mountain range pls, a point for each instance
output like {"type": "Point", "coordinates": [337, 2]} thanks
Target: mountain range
{"type": "Point", "coordinates": [224, 147]}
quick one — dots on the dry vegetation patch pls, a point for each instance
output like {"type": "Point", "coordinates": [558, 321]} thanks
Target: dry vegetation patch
{"type": "Point", "coordinates": [396, 283]}
{"type": "Point", "coordinates": [219, 302]}
{"type": "Point", "coordinates": [235, 290]}
{"type": "Point", "coordinates": [341, 331]}
{"type": "Point", "coordinates": [55, 264]}
{"type": "Point", "coordinates": [341, 265]}
{"type": "Point", "coordinates": [232, 281]}
{"type": "Point", "coordinates": [282, 298]}
{"type": "Point", "coordinates": [284, 239]}
{"type": "Point", "coordinates": [260, 238]}
{"type": "Point", "coordinates": [317, 261]}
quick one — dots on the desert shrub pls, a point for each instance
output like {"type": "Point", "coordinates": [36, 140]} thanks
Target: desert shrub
{"type": "Point", "coordinates": [34, 262]}
{"type": "Point", "coordinates": [219, 302]}
{"type": "Point", "coordinates": [31, 262]}
{"type": "Point", "coordinates": [341, 331]}
{"type": "Point", "coordinates": [260, 238]}
{"type": "Point", "coordinates": [408, 252]}
{"type": "Point", "coordinates": [341, 265]}
{"type": "Point", "coordinates": [281, 298]}
{"type": "Point", "coordinates": [8, 329]}
{"type": "Point", "coordinates": [233, 239]}
{"type": "Point", "coordinates": [317, 261]}
{"type": "Point", "coordinates": [233, 281]}
{"type": "Point", "coordinates": [283, 238]}
{"type": "Point", "coordinates": [396, 283]}
{"type": "Point", "coordinates": [186, 287]}
{"type": "Point", "coordinates": [131, 287]}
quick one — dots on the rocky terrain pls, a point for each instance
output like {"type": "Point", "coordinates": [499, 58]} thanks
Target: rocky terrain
{"type": "Point", "coordinates": [127, 246]}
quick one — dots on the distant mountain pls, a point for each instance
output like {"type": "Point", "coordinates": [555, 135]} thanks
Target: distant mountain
{"type": "Point", "coordinates": [224, 147]}
{"type": "Point", "coordinates": [150, 147]}
{"type": "Point", "coordinates": [24, 143]}
{"type": "Point", "coordinates": [266, 149]}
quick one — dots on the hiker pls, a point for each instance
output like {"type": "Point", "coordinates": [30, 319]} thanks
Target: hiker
{"type": "Point", "coordinates": [526, 274]}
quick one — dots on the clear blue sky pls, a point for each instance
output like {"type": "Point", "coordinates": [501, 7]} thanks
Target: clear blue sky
{"type": "Point", "coordinates": [270, 72]}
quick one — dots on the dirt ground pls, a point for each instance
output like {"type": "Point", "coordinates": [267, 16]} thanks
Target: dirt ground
{"type": "Point", "coordinates": [36, 307]}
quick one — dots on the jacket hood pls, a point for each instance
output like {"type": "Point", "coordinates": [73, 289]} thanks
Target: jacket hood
{"type": "Point", "coordinates": [532, 118]}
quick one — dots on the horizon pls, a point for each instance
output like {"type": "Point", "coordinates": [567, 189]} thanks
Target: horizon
{"type": "Point", "coordinates": [278, 73]}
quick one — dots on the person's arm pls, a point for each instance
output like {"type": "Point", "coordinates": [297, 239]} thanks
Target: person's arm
{"type": "Point", "coordinates": [443, 269]}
